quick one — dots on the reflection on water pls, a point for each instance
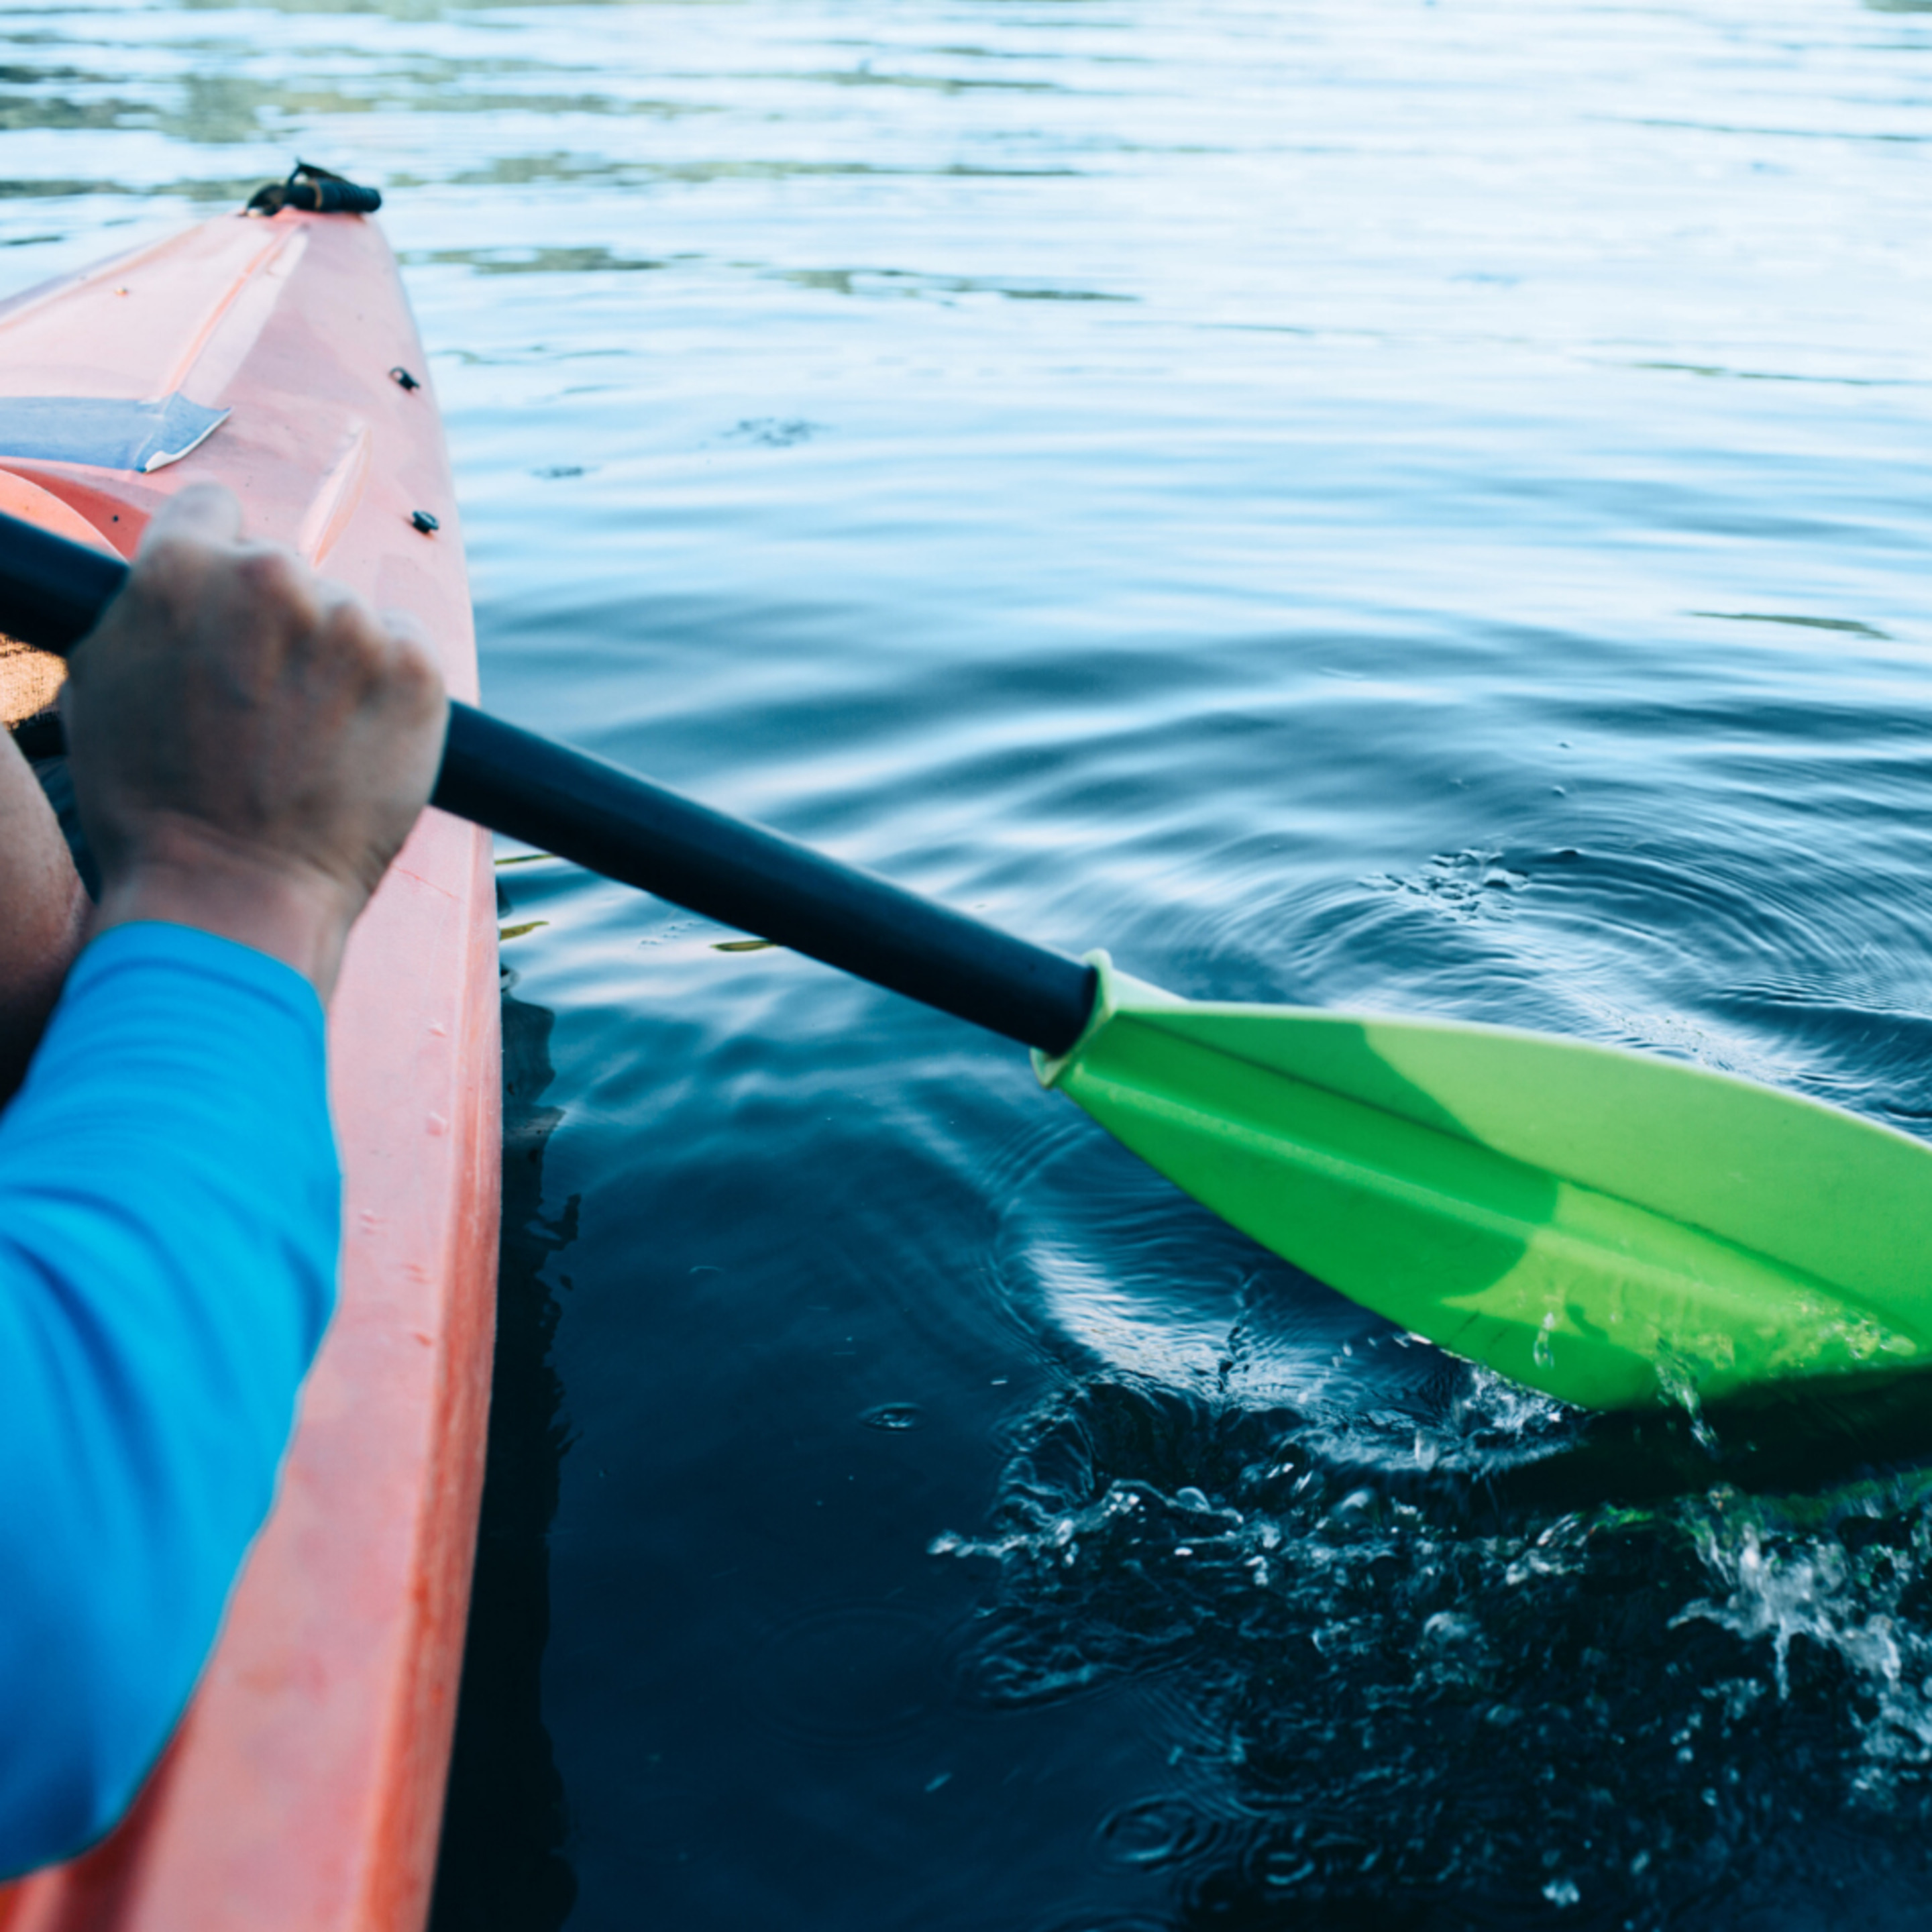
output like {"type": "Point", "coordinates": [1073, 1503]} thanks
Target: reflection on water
{"type": "Point", "coordinates": [503, 1862]}
{"type": "Point", "coordinates": [1382, 504]}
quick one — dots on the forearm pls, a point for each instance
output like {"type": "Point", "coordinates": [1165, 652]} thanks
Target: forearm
{"type": "Point", "coordinates": [168, 1223]}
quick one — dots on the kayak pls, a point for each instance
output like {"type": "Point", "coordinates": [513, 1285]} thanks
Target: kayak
{"type": "Point", "coordinates": [275, 353]}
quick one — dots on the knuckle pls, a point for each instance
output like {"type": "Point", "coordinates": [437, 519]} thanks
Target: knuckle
{"type": "Point", "coordinates": [411, 671]}
{"type": "Point", "coordinates": [417, 673]}
{"type": "Point", "coordinates": [169, 570]}
{"type": "Point", "coordinates": [353, 640]}
{"type": "Point", "coordinates": [278, 580]}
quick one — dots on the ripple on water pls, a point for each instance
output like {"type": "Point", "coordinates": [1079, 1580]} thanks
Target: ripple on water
{"type": "Point", "coordinates": [1094, 1249]}
{"type": "Point", "coordinates": [1133, 1275]}
{"type": "Point", "coordinates": [1151, 1833]}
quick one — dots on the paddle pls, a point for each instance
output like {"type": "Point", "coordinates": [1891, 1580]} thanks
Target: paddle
{"type": "Point", "coordinates": [1614, 1229]}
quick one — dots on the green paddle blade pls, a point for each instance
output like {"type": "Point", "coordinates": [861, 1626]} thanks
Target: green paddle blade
{"type": "Point", "coordinates": [1613, 1229]}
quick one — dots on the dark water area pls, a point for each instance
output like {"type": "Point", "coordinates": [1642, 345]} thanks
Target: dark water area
{"type": "Point", "coordinates": [1406, 507]}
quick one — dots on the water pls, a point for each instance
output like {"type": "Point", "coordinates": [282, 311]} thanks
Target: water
{"type": "Point", "coordinates": [1385, 505]}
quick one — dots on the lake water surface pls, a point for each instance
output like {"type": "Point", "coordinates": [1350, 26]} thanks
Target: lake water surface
{"type": "Point", "coordinates": [1362, 502]}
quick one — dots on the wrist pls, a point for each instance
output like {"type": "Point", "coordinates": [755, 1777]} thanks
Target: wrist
{"type": "Point", "coordinates": [290, 912]}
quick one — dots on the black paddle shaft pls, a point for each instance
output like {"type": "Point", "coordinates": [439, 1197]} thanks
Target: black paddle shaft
{"type": "Point", "coordinates": [52, 592]}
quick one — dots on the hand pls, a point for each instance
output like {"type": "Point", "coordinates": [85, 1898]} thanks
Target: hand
{"type": "Point", "coordinates": [249, 745]}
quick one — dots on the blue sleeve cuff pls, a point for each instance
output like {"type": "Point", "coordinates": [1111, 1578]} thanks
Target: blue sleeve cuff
{"type": "Point", "coordinates": [204, 958]}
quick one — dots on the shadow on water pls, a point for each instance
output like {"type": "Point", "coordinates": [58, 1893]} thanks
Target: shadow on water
{"type": "Point", "coordinates": [502, 1864]}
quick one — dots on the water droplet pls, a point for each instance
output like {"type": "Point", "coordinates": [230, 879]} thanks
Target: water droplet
{"type": "Point", "coordinates": [896, 1416]}
{"type": "Point", "coordinates": [1544, 1353]}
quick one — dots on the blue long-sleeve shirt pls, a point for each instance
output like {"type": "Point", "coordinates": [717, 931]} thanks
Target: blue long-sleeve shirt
{"type": "Point", "coordinates": [169, 1220]}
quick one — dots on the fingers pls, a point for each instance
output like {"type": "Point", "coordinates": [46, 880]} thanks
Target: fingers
{"type": "Point", "coordinates": [278, 603]}
{"type": "Point", "coordinates": [194, 568]}
{"type": "Point", "coordinates": [385, 661]}
{"type": "Point", "coordinates": [411, 664]}
{"type": "Point", "coordinates": [191, 559]}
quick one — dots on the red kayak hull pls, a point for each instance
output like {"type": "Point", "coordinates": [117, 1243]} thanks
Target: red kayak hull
{"type": "Point", "coordinates": [303, 1790]}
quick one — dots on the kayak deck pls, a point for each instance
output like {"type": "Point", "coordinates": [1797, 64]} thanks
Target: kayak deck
{"type": "Point", "coordinates": [303, 1790]}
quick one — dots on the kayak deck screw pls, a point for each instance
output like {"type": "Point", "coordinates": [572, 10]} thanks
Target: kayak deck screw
{"type": "Point", "coordinates": [422, 520]}
{"type": "Point", "coordinates": [403, 377]}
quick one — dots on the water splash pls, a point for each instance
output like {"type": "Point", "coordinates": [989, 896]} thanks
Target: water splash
{"type": "Point", "coordinates": [1678, 1380]}
{"type": "Point", "coordinates": [1590, 1707]}
{"type": "Point", "coordinates": [1855, 1592]}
